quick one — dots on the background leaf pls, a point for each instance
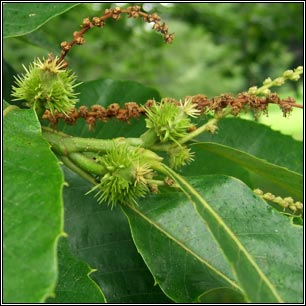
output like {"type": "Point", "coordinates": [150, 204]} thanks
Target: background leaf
{"type": "Point", "coordinates": [102, 238]}
{"type": "Point", "coordinates": [74, 284]}
{"type": "Point", "coordinates": [260, 141]}
{"type": "Point", "coordinates": [237, 138]}
{"type": "Point", "coordinates": [32, 211]}
{"type": "Point", "coordinates": [290, 182]}
{"type": "Point", "coordinates": [206, 162]}
{"type": "Point", "coordinates": [24, 18]}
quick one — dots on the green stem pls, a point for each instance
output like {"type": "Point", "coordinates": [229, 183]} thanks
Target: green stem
{"type": "Point", "coordinates": [88, 164]}
{"type": "Point", "coordinates": [64, 144]}
{"type": "Point", "coordinates": [149, 138]}
{"type": "Point", "coordinates": [77, 170]}
{"type": "Point", "coordinates": [156, 182]}
{"type": "Point", "coordinates": [211, 124]}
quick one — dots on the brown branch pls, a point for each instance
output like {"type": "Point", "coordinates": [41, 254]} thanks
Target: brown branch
{"type": "Point", "coordinates": [243, 101]}
{"type": "Point", "coordinates": [132, 11]}
{"type": "Point", "coordinates": [296, 105]}
{"type": "Point", "coordinates": [95, 113]}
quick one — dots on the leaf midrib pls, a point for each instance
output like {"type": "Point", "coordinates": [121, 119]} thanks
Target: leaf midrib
{"type": "Point", "coordinates": [191, 192]}
{"type": "Point", "coordinates": [188, 250]}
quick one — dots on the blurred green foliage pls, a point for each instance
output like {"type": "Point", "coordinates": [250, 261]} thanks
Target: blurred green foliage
{"type": "Point", "coordinates": [218, 47]}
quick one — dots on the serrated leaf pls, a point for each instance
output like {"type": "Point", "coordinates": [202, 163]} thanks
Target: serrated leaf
{"type": "Point", "coordinates": [270, 239]}
{"type": "Point", "coordinates": [251, 270]}
{"type": "Point", "coordinates": [258, 140]}
{"type": "Point", "coordinates": [268, 235]}
{"type": "Point", "coordinates": [74, 284]}
{"type": "Point", "coordinates": [181, 254]}
{"type": "Point", "coordinates": [289, 181]}
{"type": "Point", "coordinates": [32, 210]}
{"type": "Point", "coordinates": [101, 237]}
{"type": "Point", "coordinates": [23, 18]}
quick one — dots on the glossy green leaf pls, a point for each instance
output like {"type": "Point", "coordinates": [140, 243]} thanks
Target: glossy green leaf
{"type": "Point", "coordinates": [248, 246]}
{"type": "Point", "coordinates": [181, 253]}
{"type": "Point", "coordinates": [74, 284]}
{"type": "Point", "coordinates": [101, 237]}
{"type": "Point", "coordinates": [291, 182]}
{"type": "Point", "coordinates": [258, 140]}
{"type": "Point", "coordinates": [105, 92]}
{"type": "Point", "coordinates": [32, 211]}
{"type": "Point", "coordinates": [268, 235]}
{"type": "Point", "coordinates": [162, 224]}
{"type": "Point", "coordinates": [260, 157]}
{"type": "Point", "coordinates": [23, 18]}
{"type": "Point", "coordinates": [206, 162]}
